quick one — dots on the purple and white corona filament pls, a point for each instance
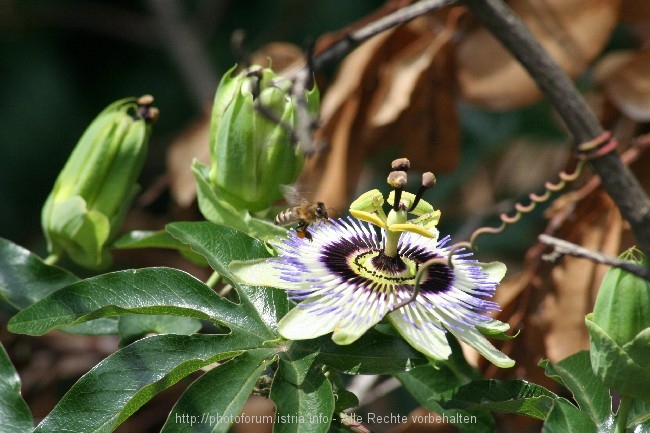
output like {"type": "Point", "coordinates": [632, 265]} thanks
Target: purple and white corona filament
{"type": "Point", "coordinates": [349, 278]}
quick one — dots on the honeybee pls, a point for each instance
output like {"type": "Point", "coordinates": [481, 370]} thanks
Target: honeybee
{"type": "Point", "coordinates": [301, 211]}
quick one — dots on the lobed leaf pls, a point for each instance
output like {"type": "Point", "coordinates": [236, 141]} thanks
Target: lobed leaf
{"type": "Point", "coordinates": [220, 245]}
{"type": "Point", "coordinates": [213, 401]}
{"type": "Point", "coordinates": [575, 373]}
{"type": "Point", "coordinates": [513, 396]}
{"type": "Point", "coordinates": [159, 291]}
{"type": "Point", "coordinates": [426, 382]}
{"type": "Point", "coordinates": [135, 326]}
{"type": "Point", "coordinates": [157, 239]}
{"type": "Point", "coordinates": [566, 418]}
{"type": "Point", "coordinates": [302, 395]}
{"type": "Point", "coordinates": [116, 387]}
{"type": "Point", "coordinates": [373, 353]}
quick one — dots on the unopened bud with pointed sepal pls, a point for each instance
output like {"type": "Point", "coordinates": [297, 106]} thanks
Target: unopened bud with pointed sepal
{"type": "Point", "coordinates": [619, 330]}
{"type": "Point", "coordinates": [252, 145]}
{"type": "Point", "coordinates": [94, 190]}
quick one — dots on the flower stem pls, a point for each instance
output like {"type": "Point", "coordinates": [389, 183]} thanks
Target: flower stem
{"type": "Point", "coordinates": [622, 414]}
{"type": "Point", "coordinates": [52, 259]}
{"type": "Point", "coordinates": [213, 280]}
{"type": "Point", "coordinates": [351, 424]}
{"type": "Point", "coordinates": [392, 237]}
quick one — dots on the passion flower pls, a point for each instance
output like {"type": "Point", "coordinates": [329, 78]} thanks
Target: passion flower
{"type": "Point", "coordinates": [348, 278]}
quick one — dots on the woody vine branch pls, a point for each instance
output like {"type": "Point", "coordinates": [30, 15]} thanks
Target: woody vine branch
{"type": "Point", "coordinates": [616, 178]}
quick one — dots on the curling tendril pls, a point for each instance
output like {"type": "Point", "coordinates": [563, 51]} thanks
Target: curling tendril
{"type": "Point", "coordinates": [599, 146]}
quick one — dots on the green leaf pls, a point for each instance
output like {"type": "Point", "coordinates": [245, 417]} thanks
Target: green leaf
{"type": "Point", "coordinates": [220, 245]}
{"type": "Point", "coordinates": [116, 387]}
{"type": "Point", "coordinates": [14, 412]}
{"type": "Point", "coordinates": [639, 418]}
{"type": "Point", "coordinates": [136, 326]}
{"type": "Point", "coordinates": [25, 278]}
{"type": "Point", "coordinates": [426, 382]}
{"type": "Point", "coordinates": [513, 396]}
{"type": "Point", "coordinates": [575, 374]}
{"type": "Point", "coordinates": [144, 291]}
{"type": "Point", "coordinates": [157, 239]}
{"type": "Point", "coordinates": [373, 353]}
{"type": "Point", "coordinates": [344, 400]}
{"type": "Point", "coordinates": [302, 395]}
{"type": "Point", "coordinates": [624, 369]}
{"type": "Point", "coordinates": [103, 326]}
{"type": "Point", "coordinates": [566, 418]}
{"type": "Point", "coordinates": [213, 401]}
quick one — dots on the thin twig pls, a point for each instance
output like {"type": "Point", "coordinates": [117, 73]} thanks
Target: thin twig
{"type": "Point", "coordinates": [562, 247]}
{"type": "Point", "coordinates": [352, 424]}
{"type": "Point", "coordinates": [616, 178]}
{"type": "Point", "coordinates": [357, 37]}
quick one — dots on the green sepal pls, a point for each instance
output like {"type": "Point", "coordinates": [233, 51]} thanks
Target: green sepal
{"type": "Point", "coordinates": [219, 210]}
{"type": "Point", "coordinates": [80, 232]}
{"type": "Point", "coordinates": [622, 307]}
{"type": "Point", "coordinates": [496, 329]}
{"type": "Point", "coordinates": [95, 188]}
{"type": "Point", "coordinates": [252, 148]}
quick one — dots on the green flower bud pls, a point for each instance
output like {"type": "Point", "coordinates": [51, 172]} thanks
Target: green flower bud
{"type": "Point", "coordinates": [619, 329]}
{"type": "Point", "coordinates": [98, 183]}
{"type": "Point", "coordinates": [252, 150]}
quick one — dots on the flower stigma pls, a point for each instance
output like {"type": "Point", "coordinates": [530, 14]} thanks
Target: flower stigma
{"type": "Point", "coordinates": [349, 277]}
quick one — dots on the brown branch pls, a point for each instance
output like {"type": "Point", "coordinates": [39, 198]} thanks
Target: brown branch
{"type": "Point", "coordinates": [562, 247]}
{"type": "Point", "coordinates": [616, 178]}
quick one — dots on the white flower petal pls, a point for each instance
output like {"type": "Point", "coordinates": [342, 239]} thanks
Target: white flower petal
{"type": "Point", "coordinates": [476, 340]}
{"type": "Point", "coordinates": [301, 324]}
{"type": "Point", "coordinates": [260, 272]}
{"type": "Point", "coordinates": [430, 340]}
{"type": "Point", "coordinates": [495, 270]}
{"type": "Point", "coordinates": [361, 314]}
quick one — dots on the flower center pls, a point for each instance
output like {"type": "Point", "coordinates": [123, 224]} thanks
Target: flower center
{"type": "Point", "coordinates": [368, 267]}
{"type": "Point", "coordinates": [380, 268]}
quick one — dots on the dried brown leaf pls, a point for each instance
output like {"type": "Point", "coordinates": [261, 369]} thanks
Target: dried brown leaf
{"type": "Point", "coordinates": [625, 78]}
{"type": "Point", "coordinates": [394, 91]}
{"type": "Point", "coordinates": [280, 56]}
{"type": "Point", "coordinates": [572, 31]}
{"type": "Point", "coordinates": [634, 11]}
{"type": "Point", "coordinates": [192, 143]}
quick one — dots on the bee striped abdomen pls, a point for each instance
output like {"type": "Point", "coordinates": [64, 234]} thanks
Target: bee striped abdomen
{"type": "Point", "coordinates": [286, 217]}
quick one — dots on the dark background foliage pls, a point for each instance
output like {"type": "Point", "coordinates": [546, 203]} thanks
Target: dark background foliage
{"type": "Point", "coordinates": [62, 62]}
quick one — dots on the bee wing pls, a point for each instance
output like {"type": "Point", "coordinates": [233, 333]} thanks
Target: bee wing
{"type": "Point", "coordinates": [292, 195]}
